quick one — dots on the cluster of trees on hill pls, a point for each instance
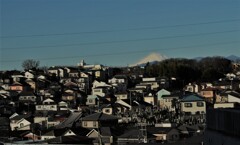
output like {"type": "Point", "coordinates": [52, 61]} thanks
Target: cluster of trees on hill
{"type": "Point", "coordinates": [190, 70]}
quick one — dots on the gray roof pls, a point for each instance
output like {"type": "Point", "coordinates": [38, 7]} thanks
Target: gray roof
{"type": "Point", "coordinates": [99, 117]}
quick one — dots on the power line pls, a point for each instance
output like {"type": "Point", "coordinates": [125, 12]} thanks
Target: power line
{"type": "Point", "coordinates": [123, 41]}
{"type": "Point", "coordinates": [128, 52]}
{"type": "Point", "coordinates": [118, 30]}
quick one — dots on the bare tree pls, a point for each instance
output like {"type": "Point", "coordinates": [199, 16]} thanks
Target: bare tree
{"type": "Point", "coordinates": [30, 64]}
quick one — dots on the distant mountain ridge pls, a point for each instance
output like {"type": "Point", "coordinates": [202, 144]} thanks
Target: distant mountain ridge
{"type": "Point", "coordinates": [151, 58]}
{"type": "Point", "coordinates": [233, 57]}
{"type": "Point", "coordinates": [230, 57]}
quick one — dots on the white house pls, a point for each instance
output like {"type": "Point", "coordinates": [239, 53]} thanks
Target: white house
{"type": "Point", "coordinates": [18, 122]}
{"type": "Point", "coordinates": [48, 105]}
{"type": "Point", "coordinates": [29, 75]}
{"type": "Point", "coordinates": [193, 104]}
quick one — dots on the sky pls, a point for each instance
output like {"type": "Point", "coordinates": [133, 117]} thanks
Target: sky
{"type": "Point", "coordinates": [115, 32]}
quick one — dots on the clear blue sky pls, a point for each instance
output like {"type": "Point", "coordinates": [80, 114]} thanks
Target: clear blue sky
{"type": "Point", "coordinates": [115, 32]}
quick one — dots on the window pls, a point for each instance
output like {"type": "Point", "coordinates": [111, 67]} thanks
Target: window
{"type": "Point", "coordinates": [84, 123]}
{"type": "Point", "coordinates": [97, 90]}
{"type": "Point", "coordinates": [21, 125]}
{"type": "Point", "coordinates": [188, 105]}
{"type": "Point", "coordinates": [200, 104]}
{"type": "Point", "coordinates": [107, 110]}
{"type": "Point", "coordinates": [90, 100]}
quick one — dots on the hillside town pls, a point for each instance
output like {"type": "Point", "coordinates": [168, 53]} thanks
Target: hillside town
{"type": "Point", "coordinates": [96, 104]}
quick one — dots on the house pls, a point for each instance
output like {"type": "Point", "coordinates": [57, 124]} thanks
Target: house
{"type": "Point", "coordinates": [47, 105]}
{"type": "Point", "coordinates": [135, 106]}
{"type": "Point", "coordinates": [99, 119]}
{"type": "Point", "coordinates": [57, 133]}
{"type": "Point", "coordinates": [29, 74]}
{"type": "Point", "coordinates": [16, 86]}
{"type": "Point", "coordinates": [74, 73]}
{"type": "Point", "coordinates": [63, 106]}
{"type": "Point", "coordinates": [210, 94]}
{"type": "Point", "coordinates": [100, 91]}
{"type": "Point", "coordinates": [160, 93]}
{"type": "Point", "coordinates": [101, 136]}
{"type": "Point", "coordinates": [100, 88]}
{"type": "Point", "coordinates": [120, 82]}
{"type": "Point", "coordinates": [193, 104]}
{"type": "Point", "coordinates": [170, 101]}
{"type": "Point", "coordinates": [100, 84]}
{"type": "Point", "coordinates": [152, 82]}
{"type": "Point", "coordinates": [150, 98]}
{"type": "Point", "coordinates": [129, 136]}
{"type": "Point", "coordinates": [121, 95]}
{"type": "Point", "coordinates": [192, 87]}
{"type": "Point", "coordinates": [48, 135]}
{"type": "Point", "coordinates": [17, 76]}
{"type": "Point", "coordinates": [71, 95]}
{"type": "Point", "coordinates": [57, 71]}
{"type": "Point", "coordinates": [48, 119]}
{"type": "Point", "coordinates": [27, 97]}
{"type": "Point", "coordinates": [19, 122]}
{"type": "Point", "coordinates": [84, 82]}
{"type": "Point", "coordinates": [164, 134]}
{"type": "Point", "coordinates": [92, 100]}
{"type": "Point", "coordinates": [47, 93]}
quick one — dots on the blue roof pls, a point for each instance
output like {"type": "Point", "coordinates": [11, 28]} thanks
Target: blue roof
{"type": "Point", "coordinates": [192, 98]}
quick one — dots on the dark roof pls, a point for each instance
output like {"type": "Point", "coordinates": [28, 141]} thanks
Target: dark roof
{"type": "Point", "coordinates": [235, 94]}
{"type": "Point", "coordinates": [99, 117]}
{"type": "Point", "coordinates": [192, 98]}
{"type": "Point", "coordinates": [60, 132]}
{"type": "Point", "coordinates": [69, 122]}
{"type": "Point", "coordinates": [134, 133]}
{"type": "Point", "coordinates": [4, 121]}
{"type": "Point", "coordinates": [155, 130]}
{"type": "Point", "coordinates": [120, 77]}
{"type": "Point", "coordinates": [70, 140]}
{"type": "Point", "coordinates": [24, 93]}
{"type": "Point", "coordinates": [105, 131]}
{"type": "Point", "coordinates": [18, 117]}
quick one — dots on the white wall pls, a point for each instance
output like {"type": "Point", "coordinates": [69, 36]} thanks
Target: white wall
{"type": "Point", "coordinates": [233, 99]}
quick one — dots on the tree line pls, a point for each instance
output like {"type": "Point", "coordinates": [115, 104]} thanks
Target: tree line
{"type": "Point", "coordinates": [190, 70]}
